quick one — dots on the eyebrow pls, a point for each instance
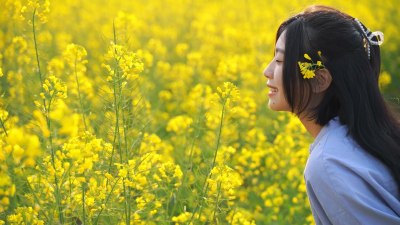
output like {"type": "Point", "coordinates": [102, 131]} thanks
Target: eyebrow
{"type": "Point", "coordinates": [280, 50]}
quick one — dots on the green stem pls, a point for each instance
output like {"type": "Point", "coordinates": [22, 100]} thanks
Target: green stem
{"type": "Point", "coordinates": [83, 203]}
{"type": "Point", "coordinates": [36, 48]}
{"type": "Point", "coordinates": [34, 195]}
{"type": "Point", "coordinates": [47, 115]}
{"type": "Point", "coordinates": [116, 129]}
{"type": "Point", "coordinates": [4, 128]}
{"type": "Point", "coordinates": [216, 202]}
{"type": "Point", "coordinates": [106, 201]}
{"type": "Point", "coordinates": [205, 183]}
{"type": "Point", "coordinates": [128, 195]}
{"type": "Point", "coordinates": [79, 95]}
{"type": "Point", "coordinates": [57, 192]}
{"type": "Point", "coordinates": [185, 175]}
{"type": "Point", "coordinates": [233, 215]}
{"type": "Point", "coordinates": [117, 102]}
{"type": "Point", "coordinates": [219, 136]}
{"type": "Point", "coordinates": [37, 55]}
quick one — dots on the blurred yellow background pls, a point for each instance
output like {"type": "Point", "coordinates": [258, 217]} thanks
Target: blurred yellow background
{"type": "Point", "coordinates": [155, 112]}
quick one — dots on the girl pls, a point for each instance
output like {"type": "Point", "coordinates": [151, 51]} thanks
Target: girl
{"type": "Point", "coordinates": [325, 70]}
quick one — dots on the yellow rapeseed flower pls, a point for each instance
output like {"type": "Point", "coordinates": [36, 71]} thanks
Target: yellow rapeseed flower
{"type": "Point", "coordinates": [384, 79]}
{"type": "Point", "coordinates": [54, 89]}
{"type": "Point", "coordinates": [127, 61]}
{"type": "Point", "coordinates": [179, 124]}
{"type": "Point", "coordinates": [182, 218]}
{"type": "Point", "coordinates": [307, 69]}
{"type": "Point", "coordinates": [228, 92]}
{"type": "Point", "coordinates": [42, 8]}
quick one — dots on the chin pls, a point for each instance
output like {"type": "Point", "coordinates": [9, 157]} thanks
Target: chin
{"type": "Point", "coordinates": [273, 107]}
{"type": "Point", "coordinates": [277, 107]}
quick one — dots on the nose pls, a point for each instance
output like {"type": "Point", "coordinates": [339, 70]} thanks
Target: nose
{"type": "Point", "coordinates": [269, 71]}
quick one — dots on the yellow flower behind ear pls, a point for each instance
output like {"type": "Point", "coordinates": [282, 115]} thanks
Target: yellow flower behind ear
{"type": "Point", "coordinates": [307, 69]}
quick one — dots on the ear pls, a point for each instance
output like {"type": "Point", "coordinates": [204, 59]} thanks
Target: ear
{"type": "Point", "coordinates": [323, 80]}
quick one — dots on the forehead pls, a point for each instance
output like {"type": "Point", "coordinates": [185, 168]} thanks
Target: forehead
{"type": "Point", "coordinates": [280, 43]}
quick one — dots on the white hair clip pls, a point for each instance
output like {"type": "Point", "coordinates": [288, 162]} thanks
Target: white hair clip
{"type": "Point", "coordinates": [370, 35]}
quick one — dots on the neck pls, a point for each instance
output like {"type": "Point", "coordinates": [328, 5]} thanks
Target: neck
{"type": "Point", "coordinates": [311, 126]}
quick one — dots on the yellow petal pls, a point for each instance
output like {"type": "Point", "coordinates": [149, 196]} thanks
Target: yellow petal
{"type": "Point", "coordinates": [307, 56]}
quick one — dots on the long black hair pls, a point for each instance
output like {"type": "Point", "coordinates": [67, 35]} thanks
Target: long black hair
{"type": "Point", "coordinates": [353, 94]}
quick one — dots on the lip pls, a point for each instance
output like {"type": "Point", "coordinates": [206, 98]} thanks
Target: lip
{"type": "Point", "coordinates": [272, 93]}
{"type": "Point", "coordinates": [270, 86]}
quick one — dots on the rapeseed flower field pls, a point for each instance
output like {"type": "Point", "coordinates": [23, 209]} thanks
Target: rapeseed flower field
{"type": "Point", "coordinates": [155, 112]}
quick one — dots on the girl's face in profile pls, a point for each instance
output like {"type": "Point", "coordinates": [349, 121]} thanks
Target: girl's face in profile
{"type": "Point", "coordinates": [273, 72]}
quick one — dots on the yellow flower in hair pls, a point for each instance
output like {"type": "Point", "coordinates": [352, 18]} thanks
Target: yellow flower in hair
{"type": "Point", "coordinates": [308, 68]}
{"type": "Point", "coordinates": [305, 70]}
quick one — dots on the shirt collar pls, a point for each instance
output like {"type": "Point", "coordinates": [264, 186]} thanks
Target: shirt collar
{"type": "Point", "coordinates": [332, 123]}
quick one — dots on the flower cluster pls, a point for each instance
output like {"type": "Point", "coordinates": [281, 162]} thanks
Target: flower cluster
{"type": "Point", "coordinates": [228, 93]}
{"type": "Point", "coordinates": [224, 181]}
{"type": "Point", "coordinates": [182, 218]}
{"type": "Point", "coordinates": [24, 215]}
{"type": "Point", "coordinates": [180, 124]}
{"type": "Point", "coordinates": [40, 7]}
{"type": "Point", "coordinates": [19, 151]}
{"type": "Point", "coordinates": [240, 217]}
{"type": "Point", "coordinates": [7, 188]}
{"type": "Point", "coordinates": [53, 90]}
{"type": "Point", "coordinates": [74, 54]}
{"type": "Point", "coordinates": [121, 63]}
{"type": "Point", "coordinates": [308, 68]}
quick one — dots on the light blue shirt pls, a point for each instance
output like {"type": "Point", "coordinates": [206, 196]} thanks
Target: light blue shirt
{"type": "Point", "coordinates": [347, 185]}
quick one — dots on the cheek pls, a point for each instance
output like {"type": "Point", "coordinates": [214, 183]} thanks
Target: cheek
{"type": "Point", "coordinates": [279, 74]}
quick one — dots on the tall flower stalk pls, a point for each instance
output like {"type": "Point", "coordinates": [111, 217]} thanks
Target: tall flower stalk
{"type": "Point", "coordinates": [51, 90]}
{"type": "Point", "coordinates": [227, 95]}
{"type": "Point", "coordinates": [191, 153]}
{"type": "Point", "coordinates": [79, 90]}
{"type": "Point", "coordinates": [123, 68]}
{"type": "Point", "coordinates": [205, 183]}
{"type": "Point", "coordinates": [75, 56]}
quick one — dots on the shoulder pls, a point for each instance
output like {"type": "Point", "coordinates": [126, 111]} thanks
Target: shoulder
{"type": "Point", "coordinates": [338, 158]}
{"type": "Point", "coordinates": [344, 179]}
